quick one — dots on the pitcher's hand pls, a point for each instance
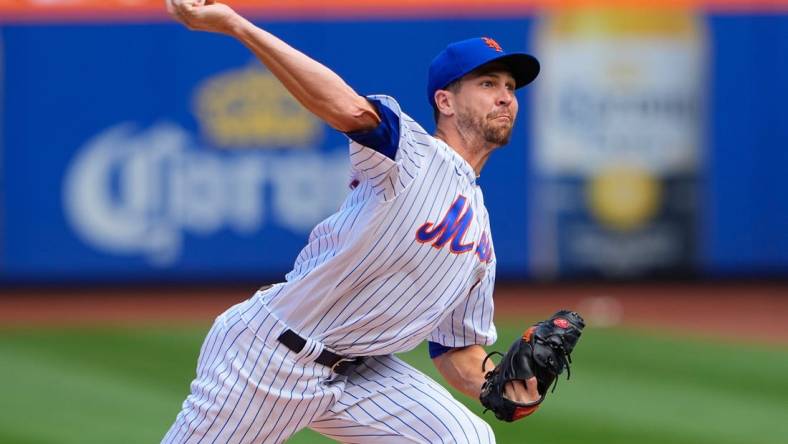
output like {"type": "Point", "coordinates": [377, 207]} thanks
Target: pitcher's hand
{"type": "Point", "coordinates": [522, 391]}
{"type": "Point", "coordinates": [203, 15]}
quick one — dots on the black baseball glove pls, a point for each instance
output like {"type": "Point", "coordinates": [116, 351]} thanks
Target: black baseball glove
{"type": "Point", "coordinates": [543, 351]}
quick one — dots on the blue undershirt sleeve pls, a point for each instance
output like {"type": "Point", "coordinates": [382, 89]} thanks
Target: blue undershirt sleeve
{"type": "Point", "coordinates": [437, 349]}
{"type": "Point", "coordinates": [384, 138]}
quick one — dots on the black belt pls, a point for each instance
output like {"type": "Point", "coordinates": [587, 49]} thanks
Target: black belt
{"type": "Point", "coordinates": [338, 364]}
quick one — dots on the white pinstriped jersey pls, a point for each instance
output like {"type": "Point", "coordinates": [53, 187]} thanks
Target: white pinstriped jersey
{"type": "Point", "coordinates": [407, 257]}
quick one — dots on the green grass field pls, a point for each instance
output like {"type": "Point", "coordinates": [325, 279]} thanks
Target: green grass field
{"type": "Point", "coordinates": [125, 385]}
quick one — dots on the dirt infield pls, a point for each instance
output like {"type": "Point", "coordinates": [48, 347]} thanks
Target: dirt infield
{"type": "Point", "coordinates": [743, 311]}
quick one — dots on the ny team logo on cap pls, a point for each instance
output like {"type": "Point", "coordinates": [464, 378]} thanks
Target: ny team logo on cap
{"type": "Point", "coordinates": [461, 58]}
{"type": "Point", "coordinates": [492, 44]}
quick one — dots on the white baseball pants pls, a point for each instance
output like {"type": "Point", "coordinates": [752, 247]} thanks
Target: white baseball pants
{"type": "Point", "coordinates": [252, 389]}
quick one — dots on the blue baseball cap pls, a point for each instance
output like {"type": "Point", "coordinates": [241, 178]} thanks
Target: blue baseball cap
{"type": "Point", "coordinates": [460, 58]}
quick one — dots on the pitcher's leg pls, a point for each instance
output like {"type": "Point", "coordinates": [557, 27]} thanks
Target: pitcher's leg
{"type": "Point", "coordinates": [388, 401]}
{"type": "Point", "coordinates": [248, 388]}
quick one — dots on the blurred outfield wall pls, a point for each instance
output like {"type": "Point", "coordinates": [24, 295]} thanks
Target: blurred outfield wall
{"type": "Point", "coordinates": [654, 142]}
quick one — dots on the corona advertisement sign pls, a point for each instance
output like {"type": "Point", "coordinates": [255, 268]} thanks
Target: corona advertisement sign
{"type": "Point", "coordinates": [134, 149]}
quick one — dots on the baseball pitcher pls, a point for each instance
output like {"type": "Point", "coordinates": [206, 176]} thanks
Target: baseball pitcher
{"type": "Point", "coordinates": [409, 256]}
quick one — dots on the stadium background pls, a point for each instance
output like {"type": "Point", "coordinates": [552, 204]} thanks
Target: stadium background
{"type": "Point", "coordinates": [151, 176]}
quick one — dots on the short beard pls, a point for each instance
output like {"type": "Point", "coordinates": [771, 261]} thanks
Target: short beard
{"type": "Point", "coordinates": [494, 135]}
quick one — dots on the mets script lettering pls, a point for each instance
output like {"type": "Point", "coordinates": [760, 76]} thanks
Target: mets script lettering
{"type": "Point", "coordinates": [451, 230]}
{"type": "Point", "coordinates": [484, 249]}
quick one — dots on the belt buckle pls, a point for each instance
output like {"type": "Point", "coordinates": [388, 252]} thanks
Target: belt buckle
{"type": "Point", "coordinates": [345, 365]}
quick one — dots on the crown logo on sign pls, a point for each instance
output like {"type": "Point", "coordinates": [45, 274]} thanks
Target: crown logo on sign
{"type": "Point", "coordinates": [249, 108]}
{"type": "Point", "coordinates": [492, 44]}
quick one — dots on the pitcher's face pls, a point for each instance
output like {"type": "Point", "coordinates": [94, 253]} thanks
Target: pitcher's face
{"type": "Point", "coordinates": [486, 104]}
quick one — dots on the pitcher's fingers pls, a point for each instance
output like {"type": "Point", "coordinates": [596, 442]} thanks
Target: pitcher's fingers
{"type": "Point", "coordinates": [533, 388]}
